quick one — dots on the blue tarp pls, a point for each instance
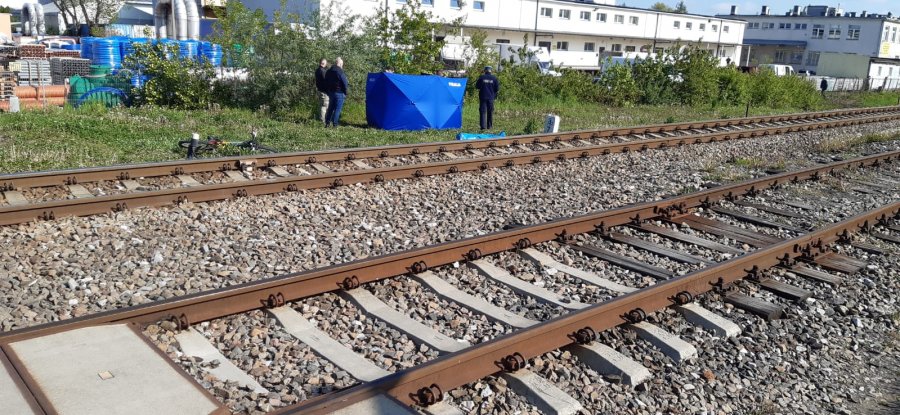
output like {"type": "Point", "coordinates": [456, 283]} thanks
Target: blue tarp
{"type": "Point", "coordinates": [475, 136]}
{"type": "Point", "coordinates": [414, 102]}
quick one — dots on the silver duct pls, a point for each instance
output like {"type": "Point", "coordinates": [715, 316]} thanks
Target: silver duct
{"type": "Point", "coordinates": [161, 18]}
{"type": "Point", "coordinates": [39, 21]}
{"type": "Point", "coordinates": [180, 19]}
{"type": "Point", "coordinates": [193, 20]}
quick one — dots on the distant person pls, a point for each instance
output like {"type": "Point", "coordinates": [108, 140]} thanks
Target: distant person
{"type": "Point", "coordinates": [823, 86]}
{"type": "Point", "coordinates": [320, 86]}
{"type": "Point", "coordinates": [488, 87]}
{"type": "Point", "coordinates": [389, 69]}
{"type": "Point", "coordinates": [337, 86]}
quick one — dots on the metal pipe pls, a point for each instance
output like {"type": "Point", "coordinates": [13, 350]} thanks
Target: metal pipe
{"type": "Point", "coordinates": [193, 20]}
{"type": "Point", "coordinates": [180, 19]}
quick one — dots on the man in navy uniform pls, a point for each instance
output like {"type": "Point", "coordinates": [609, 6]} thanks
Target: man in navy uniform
{"type": "Point", "coordinates": [488, 86]}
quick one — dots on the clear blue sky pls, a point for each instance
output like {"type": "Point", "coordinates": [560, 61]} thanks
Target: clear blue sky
{"type": "Point", "coordinates": [778, 7]}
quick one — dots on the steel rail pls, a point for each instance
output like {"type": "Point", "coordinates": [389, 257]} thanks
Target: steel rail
{"type": "Point", "coordinates": [276, 291]}
{"type": "Point", "coordinates": [115, 203]}
{"type": "Point", "coordinates": [121, 172]}
{"type": "Point", "coordinates": [457, 369]}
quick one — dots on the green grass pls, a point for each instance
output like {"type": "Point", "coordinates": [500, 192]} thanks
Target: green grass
{"type": "Point", "coordinates": [67, 137]}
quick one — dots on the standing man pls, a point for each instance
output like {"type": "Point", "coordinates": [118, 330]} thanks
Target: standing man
{"type": "Point", "coordinates": [488, 87]}
{"type": "Point", "coordinates": [321, 87]}
{"type": "Point", "coordinates": [337, 86]}
{"type": "Point", "coordinates": [823, 86]}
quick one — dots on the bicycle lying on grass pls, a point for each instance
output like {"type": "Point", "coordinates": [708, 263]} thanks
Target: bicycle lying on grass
{"type": "Point", "coordinates": [216, 145]}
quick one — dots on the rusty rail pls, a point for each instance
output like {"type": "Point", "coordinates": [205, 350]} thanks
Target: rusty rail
{"type": "Point", "coordinates": [120, 172]}
{"type": "Point", "coordinates": [117, 203]}
{"type": "Point", "coordinates": [457, 369]}
{"type": "Point", "coordinates": [290, 287]}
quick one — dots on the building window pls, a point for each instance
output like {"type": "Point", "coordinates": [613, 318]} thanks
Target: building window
{"type": "Point", "coordinates": [630, 48]}
{"type": "Point", "coordinates": [715, 28]}
{"type": "Point", "coordinates": [725, 29]}
{"type": "Point", "coordinates": [454, 4]}
{"type": "Point", "coordinates": [585, 15]}
{"type": "Point", "coordinates": [784, 25]}
{"type": "Point", "coordinates": [879, 70]}
{"type": "Point", "coordinates": [894, 34]}
{"type": "Point", "coordinates": [796, 58]}
{"type": "Point", "coordinates": [812, 59]}
{"type": "Point", "coordinates": [546, 12]}
{"type": "Point", "coordinates": [834, 31]}
{"type": "Point", "coordinates": [754, 25]}
{"type": "Point", "coordinates": [402, 1]}
{"type": "Point", "coordinates": [768, 25]}
{"type": "Point", "coordinates": [853, 32]}
{"type": "Point", "coordinates": [688, 25]}
{"type": "Point", "coordinates": [478, 5]}
{"type": "Point", "coordinates": [601, 17]}
{"type": "Point", "coordinates": [565, 14]}
{"type": "Point", "coordinates": [702, 27]}
{"type": "Point", "coordinates": [588, 46]}
{"type": "Point", "coordinates": [780, 56]}
{"type": "Point", "coordinates": [676, 24]}
{"type": "Point", "coordinates": [562, 45]}
{"type": "Point", "coordinates": [634, 20]}
{"type": "Point", "coordinates": [886, 32]}
{"type": "Point", "coordinates": [617, 47]}
{"type": "Point", "coordinates": [818, 31]}
{"type": "Point", "coordinates": [425, 2]}
{"type": "Point", "coordinates": [619, 19]}
{"type": "Point", "coordinates": [799, 26]}
{"type": "Point", "coordinates": [505, 41]}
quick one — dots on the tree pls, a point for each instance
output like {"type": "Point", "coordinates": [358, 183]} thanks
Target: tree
{"type": "Point", "coordinates": [681, 7]}
{"type": "Point", "coordinates": [172, 81]}
{"type": "Point", "coordinates": [661, 7]}
{"type": "Point", "coordinates": [407, 39]}
{"type": "Point", "coordinates": [235, 28]}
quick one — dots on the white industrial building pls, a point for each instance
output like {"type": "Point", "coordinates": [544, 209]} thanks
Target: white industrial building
{"type": "Point", "coordinates": [567, 28]}
{"type": "Point", "coordinates": [827, 41]}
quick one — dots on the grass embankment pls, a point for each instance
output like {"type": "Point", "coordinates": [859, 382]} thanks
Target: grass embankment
{"type": "Point", "coordinates": [67, 137]}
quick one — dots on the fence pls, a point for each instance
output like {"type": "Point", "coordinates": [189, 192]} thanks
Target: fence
{"type": "Point", "coordinates": [857, 84]}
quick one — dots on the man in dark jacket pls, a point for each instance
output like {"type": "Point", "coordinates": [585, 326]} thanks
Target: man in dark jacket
{"type": "Point", "coordinates": [337, 87]}
{"type": "Point", "coordinates": [320, 86]}
{"type": "Point", "coordinates": [488, 87]}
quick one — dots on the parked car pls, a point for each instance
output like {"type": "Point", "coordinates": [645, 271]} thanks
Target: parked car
{"type": "Point", "coordinates": [780, 70]}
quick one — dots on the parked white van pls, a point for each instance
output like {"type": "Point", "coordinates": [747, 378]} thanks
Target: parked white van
{"type": "Point", "coordinates": [780, 70]}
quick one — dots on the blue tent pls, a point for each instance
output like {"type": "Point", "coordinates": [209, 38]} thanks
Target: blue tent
{"type": "Point", "coordinates": [414, 102]}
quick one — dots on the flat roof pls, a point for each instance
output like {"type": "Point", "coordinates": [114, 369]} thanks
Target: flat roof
{"type": "Point", "coordinates": [639, 9]}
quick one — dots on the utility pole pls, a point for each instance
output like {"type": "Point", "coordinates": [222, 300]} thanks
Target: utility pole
{"type": "Point", "coordinates": [537, 6]}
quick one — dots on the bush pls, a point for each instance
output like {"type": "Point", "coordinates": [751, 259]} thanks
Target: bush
{"type": "Point", "coordinates": [172, 81]}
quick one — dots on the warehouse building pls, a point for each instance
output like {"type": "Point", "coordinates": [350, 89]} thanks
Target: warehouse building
{"type": "Point", "coordinates": [578, 34]}
{"type": "Point", "coordinates": [827, 41]}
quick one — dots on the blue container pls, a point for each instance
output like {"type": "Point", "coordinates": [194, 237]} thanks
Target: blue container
{"type": "Point", "coordinates": [188, 49]}
{"type": "Point", "coordinates": [106, 52]}
{"type": "Point", "coordinates": [211, 52]}
{"type": "Point", "coordinates": [86, 43]}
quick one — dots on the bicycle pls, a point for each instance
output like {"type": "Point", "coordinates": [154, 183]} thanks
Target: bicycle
{"type": "Point", "coordinates": [217, 145]}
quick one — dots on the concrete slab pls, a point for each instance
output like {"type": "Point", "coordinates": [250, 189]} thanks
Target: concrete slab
{"type": "Point", "coordinates": [522, 287]}
{"type": "Point", "coordinates": [325, 346]}
{"type": "Point", "coordinates": [281, 172]}
{"type": "Point", "coordinates": [321, 168]}
{"type": "Point", "coordinates": [450, 155]}
{"type": "Point", "coordinates": [236, 176]}
{"type": "Point", "coordinates": [547, 397]}
{"type": "Point", "coordinates": [195, 344]}
{"type": "Point", "coordinates": [188, 181]}
{"type": "Point", "coordinates": [475, 152]}
{"type": "Point", "coordinates": [376, 405]}
{"type": "Point", "coordinates": [605, 360]}
{"type": "Point", "coordinates": [11, 399]}
{"type": "Point", "coordinates": [131, 185]}
{"type": "Point", "coordinates": [15, 198]}
{"type": "Point", "coordinates": [67, 366]}
{"type": "Point", "coordinates": [670, 344]}
{"type": "Point", "coordinates": [547, 261]}
{"type": "Point", "coordinates": [442, 408]}
{"type": "Point", "coordinates": [421, 333]}
{"type": "Point", "coordinates": [476, 304]}
{"type": "Point", "coordinates": [709, 320]}
{"type": "Point", "coordinates": [79, 191]}
{"type": "Point", "coordinates": [361, 164]}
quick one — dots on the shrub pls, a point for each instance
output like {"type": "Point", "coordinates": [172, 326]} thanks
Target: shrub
{"type": "Point", "coordinates": [172, 81]}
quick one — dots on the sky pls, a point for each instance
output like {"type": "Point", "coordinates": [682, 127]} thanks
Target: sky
{"type": "Point", "coordinates": [778, 7]}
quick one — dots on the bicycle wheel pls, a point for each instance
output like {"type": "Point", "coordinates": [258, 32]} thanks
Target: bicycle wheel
{"type": "Point", "coordinates": [256, 147]}
{"type": "Point", "coordinates": [201, 148]}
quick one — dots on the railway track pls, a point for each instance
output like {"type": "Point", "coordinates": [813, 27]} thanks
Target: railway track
{"type": "Point", "coordinates": [55, 194]}
{"type": "Point", "coordinates": [103, 361]}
